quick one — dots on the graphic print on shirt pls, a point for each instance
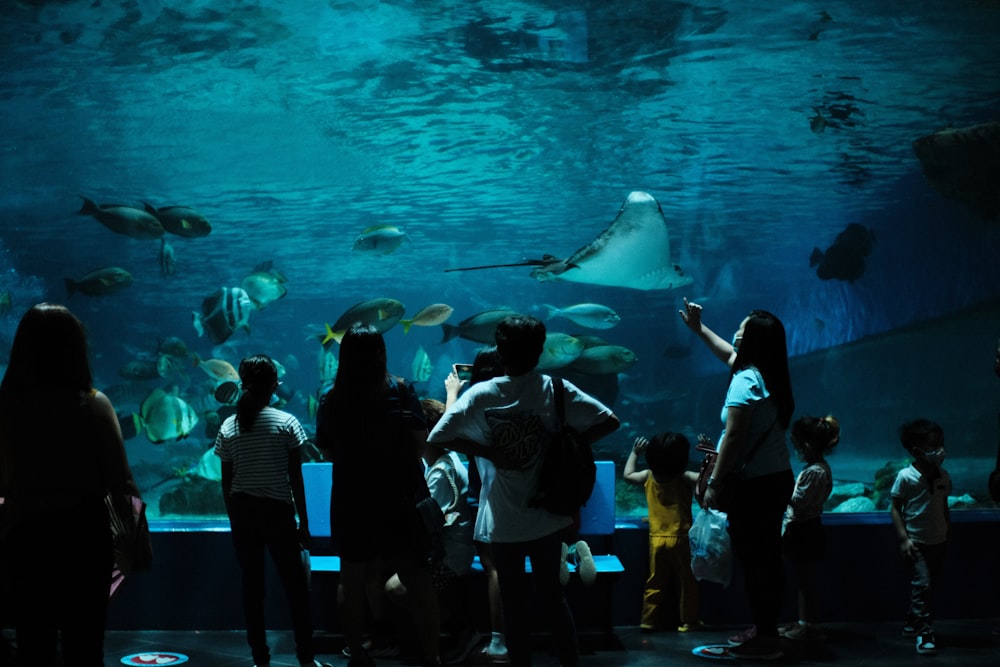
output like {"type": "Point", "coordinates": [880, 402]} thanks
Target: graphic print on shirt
{"type": "Point", "coordinates": [520, 436]}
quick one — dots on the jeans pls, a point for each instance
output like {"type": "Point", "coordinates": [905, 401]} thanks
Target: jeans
{"type": "Point", "coordinates": [258, 524]}
{"type": "Point", "coordinates": [545, 554]}
{"type": "Point", "coordinates": [925, 571]}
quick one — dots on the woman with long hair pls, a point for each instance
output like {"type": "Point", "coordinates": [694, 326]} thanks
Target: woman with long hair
{"type": "Point", "coordinates": [372, 427]}
{"type": "Point", "coordinates": [261, 452]}
{"type": "Point", "coordinates": [754, 468]}
{"type": "Point", "coordinates": [61, 452]}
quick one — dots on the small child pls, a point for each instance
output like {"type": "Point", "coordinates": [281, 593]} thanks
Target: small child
{"type": "Point", "coordinates": [920, 515]}
{"type": "Point", "coordinates": [669, 492]}
{"type": "Point", "coordinates": [802, 530]}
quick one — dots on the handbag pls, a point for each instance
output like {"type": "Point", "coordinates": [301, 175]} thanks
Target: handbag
{"type": "Point", "coordinates": [568, 472]}
{"type": "Point", "coordinates": [726, 490]}
{"type": "Point", "coordinates": [130, 532]}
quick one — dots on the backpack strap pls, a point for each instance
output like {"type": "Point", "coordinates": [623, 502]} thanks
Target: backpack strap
{"type": "Point", "coordinates": [558, 391]}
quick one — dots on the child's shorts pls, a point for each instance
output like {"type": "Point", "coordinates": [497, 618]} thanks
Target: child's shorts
{"type": "Point", "coordinates": [804, 540]}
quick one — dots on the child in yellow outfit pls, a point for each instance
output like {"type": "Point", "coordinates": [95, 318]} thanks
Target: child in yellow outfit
{"type": "Point", "coordinates": [669, 490]}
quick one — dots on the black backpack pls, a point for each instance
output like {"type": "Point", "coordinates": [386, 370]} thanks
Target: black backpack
{"type": "Point", "coordinates": [568, 470]}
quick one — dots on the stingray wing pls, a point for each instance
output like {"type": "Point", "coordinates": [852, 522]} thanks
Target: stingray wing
{"type": "Point", "coordinates": [633, 252]}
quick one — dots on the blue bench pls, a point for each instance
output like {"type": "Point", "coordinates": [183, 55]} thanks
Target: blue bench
{"type": "Point", "coordinates": [597, 526]}
{"type": "Point", "coordinates": [597, 517]}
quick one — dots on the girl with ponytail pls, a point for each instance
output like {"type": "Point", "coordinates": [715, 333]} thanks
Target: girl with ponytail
{"type": "Point", "coordinates": [260, 448]}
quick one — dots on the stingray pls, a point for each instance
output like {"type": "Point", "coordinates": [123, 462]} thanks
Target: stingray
{"type": "Point", "coordinates": [634, 251]}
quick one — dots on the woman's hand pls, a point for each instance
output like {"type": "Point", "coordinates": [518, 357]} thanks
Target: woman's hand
{"type": "Point", "coordinates": [453, 385]}
{"type": "Point", "coordinates": [710, 498]}
{"type": "Point", "coordinates": [691, 315]}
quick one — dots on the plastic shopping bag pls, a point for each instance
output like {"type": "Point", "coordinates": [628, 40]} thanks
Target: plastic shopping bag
{"type": "Point", "coordinates": [711, 553]}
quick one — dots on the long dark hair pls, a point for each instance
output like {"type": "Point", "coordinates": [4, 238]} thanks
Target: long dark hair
{"type": "Point", "coordinates": [49, 354]}
{"type": "Point", "coordinates": [259, 378]}
{"type": "Point", "coordinates": [361, 377]}
{"type": "Point", "coordinates": [487, 365]}
{"type": "Point", "coordinates": [764, 347]}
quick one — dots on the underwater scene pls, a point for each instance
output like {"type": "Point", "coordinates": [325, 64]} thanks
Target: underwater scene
{"type": "Point", "coordinates": [200, 180]}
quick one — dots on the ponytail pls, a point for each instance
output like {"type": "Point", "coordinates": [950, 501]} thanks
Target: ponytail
{"type": "Point", "coordinates": [259, 377]}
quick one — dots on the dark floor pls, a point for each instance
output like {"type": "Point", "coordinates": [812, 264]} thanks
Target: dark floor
{"type": "Point", "coordinates": [962, 642]}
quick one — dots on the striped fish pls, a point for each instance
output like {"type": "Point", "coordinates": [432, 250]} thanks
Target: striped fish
{"type": "Point", "coordinates": [223, 312]}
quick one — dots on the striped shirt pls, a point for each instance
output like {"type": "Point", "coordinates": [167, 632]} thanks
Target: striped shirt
{"type": "Point", "coordinates": [260, 456]}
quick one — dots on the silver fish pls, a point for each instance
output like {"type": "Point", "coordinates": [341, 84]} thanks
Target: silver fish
{"type": "Point", "coordinates": [379, 239]}
{"type": "Point", "coordinates": [428, 316]}
{"type": "Point", "coordinates": [590, 315]}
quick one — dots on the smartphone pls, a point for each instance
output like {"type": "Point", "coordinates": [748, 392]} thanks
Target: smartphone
{"type": "Point", "coordinates": [463, 371]}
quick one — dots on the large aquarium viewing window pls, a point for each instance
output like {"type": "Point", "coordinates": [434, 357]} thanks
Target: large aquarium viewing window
{"type": "Point", "coordinates": [202, 180]}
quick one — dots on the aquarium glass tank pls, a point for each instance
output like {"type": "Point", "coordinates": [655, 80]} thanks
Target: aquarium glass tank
{"type": "Point", "coordinates": [200, 180]}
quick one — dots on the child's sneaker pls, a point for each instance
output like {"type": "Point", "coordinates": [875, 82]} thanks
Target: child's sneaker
{"type": "Point", "coordinates": [496, 654]}
{"type": "Point", "coordinates": [585, 563]}
{"type": "Point", "coordinates": [690, 627]}
{"type": "Point", "coordinates": [743, 637]}
{"type": "Point", "coordinates": [926, 644]}
{"type": "Point", "coordinates": [758, 648]}
{"type": "Point", "coordinates": [563, 567]}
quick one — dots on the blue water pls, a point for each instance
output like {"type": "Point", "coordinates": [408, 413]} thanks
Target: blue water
{"type": "Point", "coordinates": [489, 132]}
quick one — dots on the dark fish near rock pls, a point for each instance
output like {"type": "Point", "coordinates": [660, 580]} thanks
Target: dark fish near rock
{"type": "Point", "coordinates": [139, 369]}
{"type": "Point", "coordinates": [223, 312]}
{"type": "Point", "coordinates": [845, 259]}
{"type": "Point", "coordinates": [100, 282]}
{"type": "Point", "coordinates": [125, 220]}
{"type": "Point", "coordinates": [181, 220]}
